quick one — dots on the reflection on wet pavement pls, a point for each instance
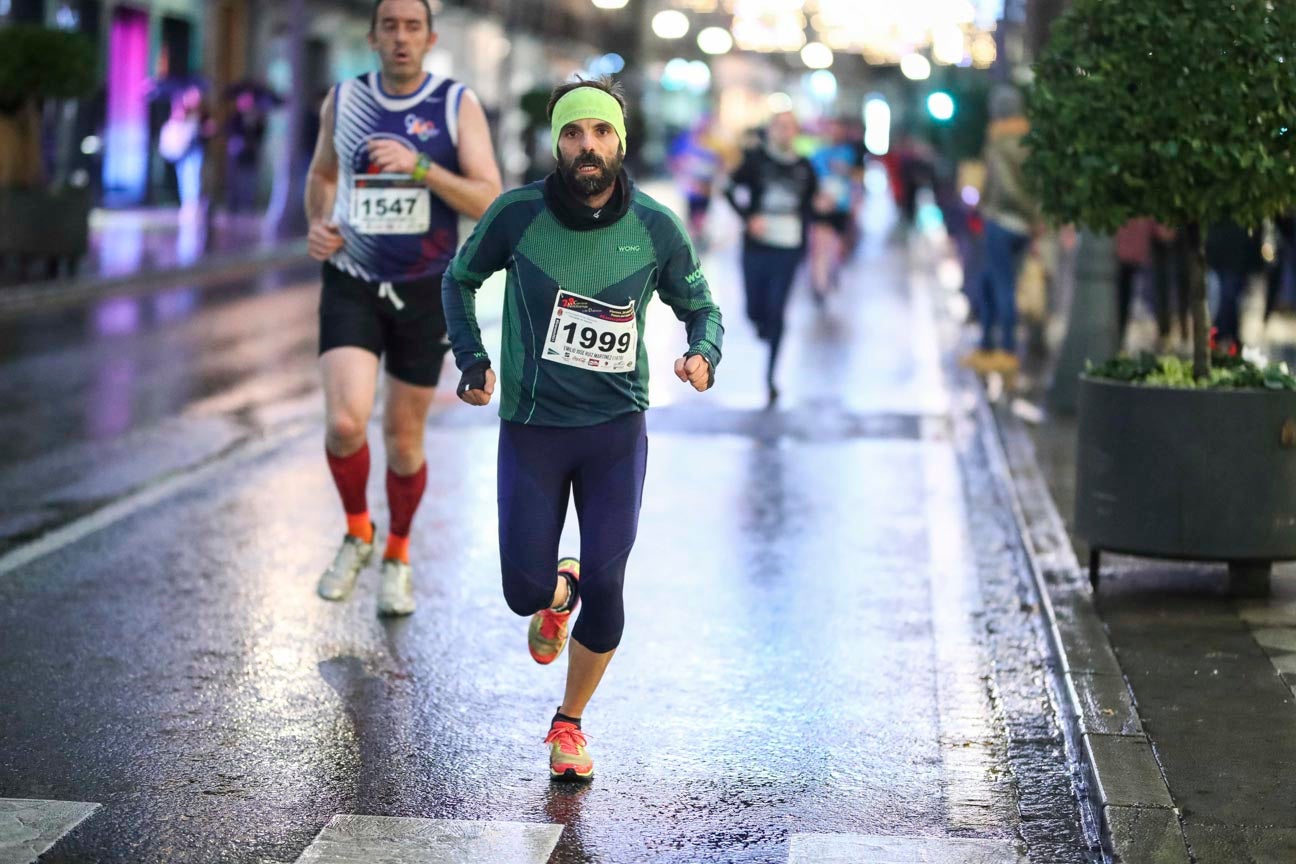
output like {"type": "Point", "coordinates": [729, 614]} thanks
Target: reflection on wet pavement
{"type": "Point", "coordinates": [815, 645]}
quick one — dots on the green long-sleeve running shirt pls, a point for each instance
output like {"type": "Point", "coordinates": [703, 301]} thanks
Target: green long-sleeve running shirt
{"type": "Point", "coordinates": [574, 304]}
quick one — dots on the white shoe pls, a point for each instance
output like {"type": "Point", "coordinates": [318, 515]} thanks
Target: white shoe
{"type": "Point", "coordinates": [340, 578]}
{"type": "Point", "coordinates": [396, 588]}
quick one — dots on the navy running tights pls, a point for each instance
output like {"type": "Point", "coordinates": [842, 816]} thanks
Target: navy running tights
{"type": "Point", "coordinates": [767, 276]}
{"type": "Point", "coordinates": [539, 468]}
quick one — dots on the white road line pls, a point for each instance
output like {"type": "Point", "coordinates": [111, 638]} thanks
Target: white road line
{"type": "Point", "coordinates": [971, 748]}
{"type": "Point", "coordinates": [861, 849]}
{"type": "Point", "coordinates": [393, 840]}
{"type": "Point", "coordinates": [100, 519]}
{"type": "Point", "coordinates": [970, 744]}
{"type": "Point", "coordinates": [28, 828]}
{"type": "Point", "coordinates": [925, 339]}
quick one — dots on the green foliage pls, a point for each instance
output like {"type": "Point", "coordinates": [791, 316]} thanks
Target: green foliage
{"type": "Point", "coordinates": [1227, 373]}
{"type": "Point", "coordinates": [1182, 110]}
{"type": "Point", "coordinates": [535, 104]}
{"type": "Point", "coordinates": [40, 63]}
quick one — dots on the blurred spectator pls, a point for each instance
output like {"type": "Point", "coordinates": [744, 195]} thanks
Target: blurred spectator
{"type": "Point", "coordinates": [1232, 254]}
{"type": "Point", "coordinates": [1170, 283]}
{"type": "Point", "coordinates": [912, 168]}
{"type": "Point", "coordinates": [1009, 211]}
{"type": "Point", "coordinates": [245, 134]}
{"type": "Point", "coordinates": [1133, 254]}
{"type": "Point", "coordinates": [1281, 288]}
{"type": "Point", "coordinates": [182, 141]}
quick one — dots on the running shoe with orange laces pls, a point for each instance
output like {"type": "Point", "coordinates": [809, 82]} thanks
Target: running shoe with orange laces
{"type": "Point", "coordinates": [547, 634]}
{"type": "Point", "coordinates": [568, 758]}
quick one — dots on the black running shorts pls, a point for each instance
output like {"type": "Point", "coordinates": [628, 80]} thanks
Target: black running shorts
{"type": "Point", "coordinates": [403, 321]}
{"type": "Point", "coordinates": [838, 220]}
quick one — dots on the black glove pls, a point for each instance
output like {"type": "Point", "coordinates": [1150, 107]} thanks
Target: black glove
{"type": "Point", "coordinates": [473, 378]}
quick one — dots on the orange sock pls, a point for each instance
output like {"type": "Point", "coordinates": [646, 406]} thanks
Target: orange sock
{"type": "Point", "coordinates": [397, 549]}
{"type": "Point", "coordinates": [359, 525]}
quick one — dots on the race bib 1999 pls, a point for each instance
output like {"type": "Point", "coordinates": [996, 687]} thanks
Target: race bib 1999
{"type": "Point", "coordinates": [390, 204]}
{"type": "Point", "coordinates": [590, 334]}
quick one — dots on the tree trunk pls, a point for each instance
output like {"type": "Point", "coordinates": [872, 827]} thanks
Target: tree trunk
{"type": "Point", "coordinates": [1201, 319]}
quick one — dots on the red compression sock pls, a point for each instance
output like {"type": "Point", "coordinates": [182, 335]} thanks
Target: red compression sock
{"type": "Point", "coordinates": [403, 497]}
{"type": "Point", "coordinates": [350, 475]}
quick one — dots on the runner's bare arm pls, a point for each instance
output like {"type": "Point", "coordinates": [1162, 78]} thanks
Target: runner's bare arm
{"type": "Point", "coordinates": [472, 191]}
{"type": "Point", "coordinates": [323, 239]}
{"type": "Point", "coordinates": [321, 180]}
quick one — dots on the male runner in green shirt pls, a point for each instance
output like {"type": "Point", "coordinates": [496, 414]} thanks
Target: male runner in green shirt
{"type": "Point", "coordinates": [584, 250]}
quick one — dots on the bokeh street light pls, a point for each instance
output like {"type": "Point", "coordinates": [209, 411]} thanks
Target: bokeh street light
{"type": "Point", "coordinates": [948, 45]}
{"type": "Point", "coordinates": [670, 24]}
{"type": "Point", "coordinates": [877, 125]}
{"type": "Point", "coordinates": [779, 103]}
{"type": "Point", "coordinates": [941, 106]}
{"type": "Point", "coordinates": [817, 55]}
{"type": "Point", "coordinates": [715, 40]}
{"type": "Point", "coordinates": [915, 67]}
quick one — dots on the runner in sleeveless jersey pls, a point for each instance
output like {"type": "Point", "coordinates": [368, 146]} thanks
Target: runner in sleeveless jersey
{"type": "Point", "coordinates": [401, 155]}
{"type": "Point", "coordinates": [584, 250]}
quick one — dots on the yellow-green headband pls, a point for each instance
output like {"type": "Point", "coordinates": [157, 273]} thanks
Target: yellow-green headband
{"type": "Point", "coordinates": [587, 103]}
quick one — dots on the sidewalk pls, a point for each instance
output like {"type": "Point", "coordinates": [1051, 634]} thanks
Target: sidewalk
{"type": "Point", "coordinates": [136, 251]}
{"type": "Point", "coordinates": [1183, 695]}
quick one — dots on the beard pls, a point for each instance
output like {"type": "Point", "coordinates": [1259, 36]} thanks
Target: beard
{"type": "Point", "coordinates": [589, 185]}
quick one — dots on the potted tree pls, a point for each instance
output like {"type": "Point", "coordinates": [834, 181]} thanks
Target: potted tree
{"type": "Point", "coordinates": [38, 65]}
{"type": "Point", "coordinates": [1184, 112]}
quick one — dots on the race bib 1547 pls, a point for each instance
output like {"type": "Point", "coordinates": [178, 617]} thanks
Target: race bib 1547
{"type": "Point", "coordinates": [390, 204]}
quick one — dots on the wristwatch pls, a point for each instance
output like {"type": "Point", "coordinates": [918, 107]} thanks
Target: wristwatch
{"type": "Point", "coordinates": [421, 168]}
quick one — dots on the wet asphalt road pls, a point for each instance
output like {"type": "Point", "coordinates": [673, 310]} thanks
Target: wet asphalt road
{"type": "Point", "coordinates": [826, 632]}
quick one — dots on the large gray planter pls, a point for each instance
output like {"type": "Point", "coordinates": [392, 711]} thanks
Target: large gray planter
{"type": "Point", "coordinates": [53, 225]}
{"type": "Point", "coordinates": [1206, 475]}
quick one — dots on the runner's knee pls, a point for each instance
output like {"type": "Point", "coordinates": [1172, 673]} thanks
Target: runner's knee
{"type": "Point", "coordinates": [602, 618]}
{"type": "Point", "coordinates": [525, 594]}
{"type": "Point", "coordinates": [345, 431]}
{"type": "Point", "coordinates": [403, 439]}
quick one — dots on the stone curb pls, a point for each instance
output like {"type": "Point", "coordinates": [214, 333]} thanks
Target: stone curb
{"type": "Point", "coordinates": [33, 297]}
{"type": "Point", "coordinates": [1137, 817]}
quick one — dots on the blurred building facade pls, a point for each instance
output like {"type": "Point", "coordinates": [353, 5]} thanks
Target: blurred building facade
{"type": "Point", "coordinates": [151, 50]}
{"type": "Point", "coordinates": [511, 52]}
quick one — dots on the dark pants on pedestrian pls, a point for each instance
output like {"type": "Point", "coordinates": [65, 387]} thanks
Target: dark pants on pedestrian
{"type": "Point", "coordinates": [539, 467]}
{"type": "Point", "coordinates": [1281, 280]}
{"type": "Point", "coordinates": [1170, 280]}
{"type": "Point", "coordinates": [1126, 276]}
{"type": "Point", "coordinates": [1232, 285]}
{"type": "Point", "coordinates": [768, 272]}
{"type": "Point", "coordinates": [1003, 254]}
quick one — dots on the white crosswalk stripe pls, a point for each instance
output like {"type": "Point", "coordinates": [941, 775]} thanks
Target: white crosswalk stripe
{"type": "Point", "coordinates": [861, 849]}
{"type": "Point", "coordinates": [28, 827]}
{"type": "Point", "coordinates": [395, 840]}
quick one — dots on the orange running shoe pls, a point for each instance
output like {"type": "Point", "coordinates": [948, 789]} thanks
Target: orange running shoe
{"type": "Point", "coordinates": [568, 758]}
{"type": "Point", "coordinates": [547, 634]}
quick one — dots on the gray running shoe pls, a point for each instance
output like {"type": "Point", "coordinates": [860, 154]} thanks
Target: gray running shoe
{"type": "Point", "coordinates": [396, 588]}
{"type": "Point", "coordinates": [340, 578]}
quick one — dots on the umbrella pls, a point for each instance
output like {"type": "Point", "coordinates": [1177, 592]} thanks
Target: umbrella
{"type": "Point", "coordinates": [174, 85]}
{"type": "Point", "coordinates": [264, 96]}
